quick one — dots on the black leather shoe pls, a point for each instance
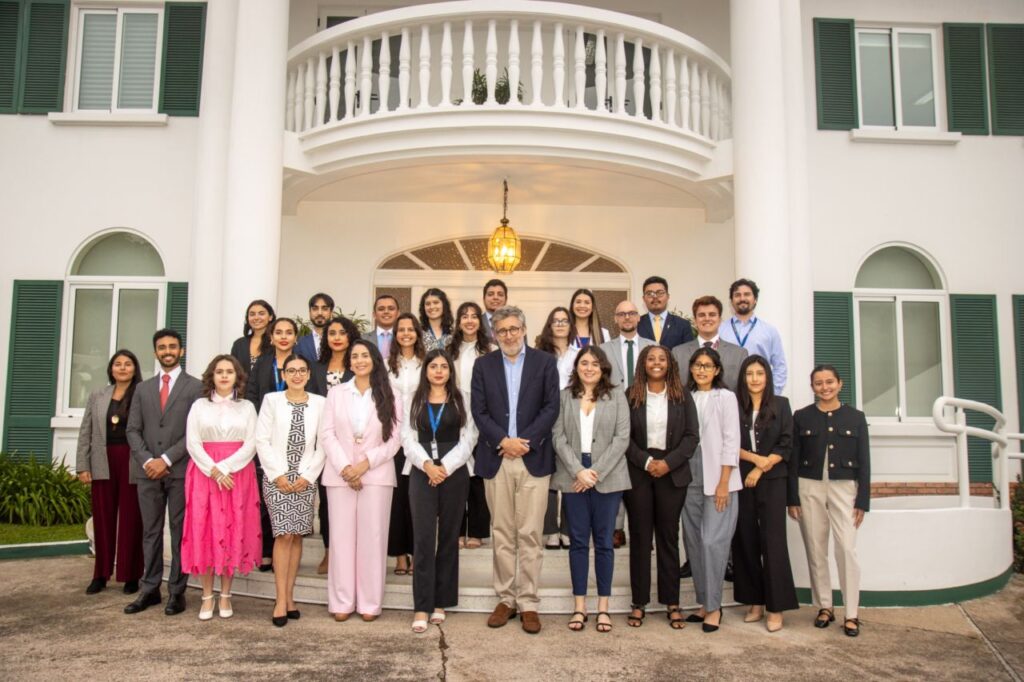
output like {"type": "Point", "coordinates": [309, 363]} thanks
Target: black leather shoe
{"type": "Point", "coordinates": [175, 605]}
{"type": "Point", "coordinates": [97, 585]}
{"type": "Point", "coordinates": [729, 572]}
{"type": "Point", "coordinates": [131, 587]}
{"type": "Point", "coordinates": [824, 617]}
{"type": "Point", "coordinates": [685, 571]}
{"type": "Point", "coordinates": [294, 614]}
{"type": "Point", "coordinates": [264, 568]}
{"type": "Point", "coordinates": [143, 602]}
{"type": "Point", "coordinates": [279, 621]}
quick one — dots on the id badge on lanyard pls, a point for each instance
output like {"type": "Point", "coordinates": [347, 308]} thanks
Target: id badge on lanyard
{"type": "Point", "coordinates": [435, 421]}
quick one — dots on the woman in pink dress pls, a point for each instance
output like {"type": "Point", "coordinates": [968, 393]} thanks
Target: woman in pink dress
{"type": "Point", "coordinates": [221, 535]}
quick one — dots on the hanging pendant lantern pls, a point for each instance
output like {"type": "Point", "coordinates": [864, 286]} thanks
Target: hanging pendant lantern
{"type": "Point", "coordinates": [505, 250]}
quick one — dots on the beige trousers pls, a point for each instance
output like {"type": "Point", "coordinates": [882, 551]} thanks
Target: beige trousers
{"type": "Point", "coordinates": [828, 505]}
{"type": "Point", "coordinates": [518, 502]}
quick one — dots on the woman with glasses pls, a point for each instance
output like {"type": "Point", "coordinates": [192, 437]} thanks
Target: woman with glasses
{"type": "Point", "coordinates": [585, 322]}
{"type": "Point", "coordinates": [292, 459]}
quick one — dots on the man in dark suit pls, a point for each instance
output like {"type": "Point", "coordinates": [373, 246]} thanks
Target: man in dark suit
{"type": "Point", "coordinates": [321, 310]}
{"type": "Point", "coordinates": [156, 435]}
{"type": "Point", "coordinates": [495, 296]}
{"type": "Point", "coordinates": [385, 312]}
{"type": "Point", "coordinates": [515, 404]}
{"type": "Point", "coordinates": [658, 324]}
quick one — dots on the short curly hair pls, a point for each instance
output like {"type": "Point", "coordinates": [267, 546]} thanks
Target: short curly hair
{"type": "Point", "coordinates": [240, 376]}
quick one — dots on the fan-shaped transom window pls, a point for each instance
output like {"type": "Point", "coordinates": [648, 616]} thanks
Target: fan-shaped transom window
{"type": "Point", "coordinates": [118, 254]}
{"type": "Point", "coordinates": [896, 267]}
{"type": "Point", "coordinates": [470, 253]}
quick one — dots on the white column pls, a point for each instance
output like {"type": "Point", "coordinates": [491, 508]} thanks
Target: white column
{"type": "Point", "coordinates": [206, 336]}
{"type": "Point", "coordinates": [252, 224]}
{"type": "Point", "coordinates": [759, 160]}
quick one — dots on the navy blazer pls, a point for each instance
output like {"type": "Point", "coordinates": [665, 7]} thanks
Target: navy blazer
{"type": "Point", "coordinates": [306, 347]}
{"type": "Point", "coordinates": [675, 332]}
{"type": "Point", "coordinates": [535, 417]}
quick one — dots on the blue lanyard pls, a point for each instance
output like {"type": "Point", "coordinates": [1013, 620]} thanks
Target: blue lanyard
{"type": "Point", "coordinates": [278, 380]}
{"type": "Point", "coordinates": [434, 421]}
{"type": "Point", "coordinates": [743, 341]}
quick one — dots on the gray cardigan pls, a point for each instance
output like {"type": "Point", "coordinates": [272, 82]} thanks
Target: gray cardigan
{"type": "Point", "coordinates": [92, 435]}
{"type": "Point", "coordinates": [607, 451]}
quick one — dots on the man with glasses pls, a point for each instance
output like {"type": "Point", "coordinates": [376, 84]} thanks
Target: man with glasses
{"type": "Point", "coordinates": [515, 404]}
{"type": "Point", "coordinates": [707, 314]}
{"type": "Point", "coordinates": [658, 324]}
{"type": "Point", "coordinates": [321, 310]}
{"type": "Point", "coordinates": [385, 312]}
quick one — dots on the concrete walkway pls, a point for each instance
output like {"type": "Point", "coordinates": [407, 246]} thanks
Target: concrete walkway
{"type": "Point", "coordinates": [49, 629]}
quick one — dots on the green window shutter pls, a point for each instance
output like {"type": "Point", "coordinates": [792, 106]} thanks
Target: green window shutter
{"type": "Point", "coordinates": [833, 337]}
{"type": "Point", "coordinates": [44, 47]}
{"type": "Point", "coordinates": [966, 96]}
{"type": "Point", "coordinates": [976, 370]}
{"type": "Point", "coordinates": [177, 309]}
{"type": "Point", "coordinates": [1018, 336]}
{"type": "Point", "coordinates": [1006, 71]}
{"type": "Point", "coordinates": [10, 48]}
{"type": "Point", "coordinates": [835, 69]}
{"type": "Point", "coordinates": [181, 71]}
{"type": "Point", "coordinates": [32, 368]}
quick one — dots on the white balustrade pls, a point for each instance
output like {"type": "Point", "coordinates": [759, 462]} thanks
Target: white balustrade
{"type": "Point", "coordinates": [671, 80]}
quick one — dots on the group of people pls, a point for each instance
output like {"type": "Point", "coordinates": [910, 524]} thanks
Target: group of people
{"type": "Point", "coordinates": [433, 432]}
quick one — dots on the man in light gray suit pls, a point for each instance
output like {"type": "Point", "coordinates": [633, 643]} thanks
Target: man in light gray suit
{"type": "Point", "coordinates": [618, 349]}
{"type": "Point", "coordinates": [156, 435]}
{"type": "Point", "coordinates": [707, 313]}
{"type": "Point", "coordinates": [385, 312]}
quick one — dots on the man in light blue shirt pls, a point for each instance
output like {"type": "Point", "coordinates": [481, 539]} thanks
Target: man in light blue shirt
{"type": "Point", "coordinates": [750, 332]}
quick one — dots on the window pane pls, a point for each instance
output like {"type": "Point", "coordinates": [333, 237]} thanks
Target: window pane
{"type": "Point", "coordinates": [895, 267]}
{"type": "Point", "coordinates": [138, 61]}
{"type": "Point", "coordinates": [119, 253]}
{"type": "Point", "coordinates": [878, 358]}
{"type": "Point", "coordinates": [96, 81]}
{"type": "Point", "coordinates": [876, 79]}
{"type": "Point", "coordinates": [917, 91]}
{"type": "Point", "coordinates": [922, 356]}
{"type": "Point", "coordinates": [136, 322]}
{"type": "Point", "coordinates": [90, 345]}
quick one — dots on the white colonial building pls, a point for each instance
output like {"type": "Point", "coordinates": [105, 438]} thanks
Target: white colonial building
{"type": "Point", "coordinates": [862, 160]}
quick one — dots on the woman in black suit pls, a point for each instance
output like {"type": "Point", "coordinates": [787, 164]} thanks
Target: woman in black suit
{"type": "Point", "coordinates": [664, 433]}
{"type": "Point", "coordinates": [255, 338]}
{"type": "Point", "coordinates": [760, 555]}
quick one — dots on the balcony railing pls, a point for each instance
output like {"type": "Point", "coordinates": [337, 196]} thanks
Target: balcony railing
{"type": "Point", "coordinates": [519, 54]}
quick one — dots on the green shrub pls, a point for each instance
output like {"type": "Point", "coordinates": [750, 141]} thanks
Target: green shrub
{"type": "Point", "coordinates": [41, 494]}
{"type": "Point", "coordinates": [1017, 507]}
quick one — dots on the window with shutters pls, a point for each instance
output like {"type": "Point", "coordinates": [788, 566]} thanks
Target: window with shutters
{"type": "Point", "coordinates": [118, 60]}
{"type": "Point", "coordinates": [901, 324]}
{"type": "Point", "coordinates": [116, 299]}
{"type": "Point", "coordinates": [897, 77]}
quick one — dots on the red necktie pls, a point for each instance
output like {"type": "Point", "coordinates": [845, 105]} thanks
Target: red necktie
{"type": "Point", "coordinates": [165, 390]}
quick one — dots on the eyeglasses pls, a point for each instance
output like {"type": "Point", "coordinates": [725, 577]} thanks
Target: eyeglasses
{"type": "Point", "coordinates": [559, 323]}
{"type": "Point", "coordinates": [704, 366]}
{"type": "Point", "coordinates": [655, 293]}
{"type": "Point", "coordinates": [508, 331]}
{"type": "Point", "coordinates": [628, 313]}
{"type": "Point", "coordinates": [296, 371]}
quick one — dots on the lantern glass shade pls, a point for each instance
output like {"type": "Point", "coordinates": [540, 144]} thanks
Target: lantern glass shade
{"type": "Point", "coordinates": [504, 251]}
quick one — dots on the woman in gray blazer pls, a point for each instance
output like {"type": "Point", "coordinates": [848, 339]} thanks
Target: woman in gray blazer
{"type": "Point", "coordinates": [102, 463]}
{"type": "Point", "coordinates": [590, 439]}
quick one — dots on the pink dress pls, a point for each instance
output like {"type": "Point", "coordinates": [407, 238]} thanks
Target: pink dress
{"type": "Point", "coordinates": [222, 527]}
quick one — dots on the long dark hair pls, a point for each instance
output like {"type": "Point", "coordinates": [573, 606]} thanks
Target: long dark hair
{"type": "Point", "coordinates": [207, 378]}
{"type": "Point", "coordinates": [446, 310]}
{"type": "Point", "coordinates": [419, 398]}
{"type": "Point", "coordinates": [593, 324]}
{"type": "Point", "coordinates": [248, 331]}
{"type": "Point", "coordinates": [273, 325]}
{"type": "Point", "coordinates": [767, 411]}
{"type": "Point", "coordinates": [545, 341]}
{"type": "Point", "coordinates": [716, 359]}
{"type": "Point", "coordinates": [483, 344]}
{"type": "Point", "coordinates": [351, 331]}
{"type": "Point", "coordinates": [638, 391]}
{"type": "Point", "coordinates": [126, 399]}
{"type": "Point", "coordinates": [380, 388]}
{"type": "Point", "coordinates": [604, 384]}
{"type": "Point", "coordinates": [395, 353]}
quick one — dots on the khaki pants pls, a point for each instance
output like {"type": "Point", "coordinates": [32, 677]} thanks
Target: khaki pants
{"type": "Point", "coordinates": [828, 505]}
{"type": "Point", "coordinates": [518, 502]}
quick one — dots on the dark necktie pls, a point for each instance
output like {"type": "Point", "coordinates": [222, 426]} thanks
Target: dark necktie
{"type": "Point", "coordinates": [708, 344]}
{"type": "Point", "coordinates": [629, 362]}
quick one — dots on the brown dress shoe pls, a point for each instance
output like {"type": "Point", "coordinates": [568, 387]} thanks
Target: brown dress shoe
{"type": "Point", "coordinates": [502, 612]}
{"type": "Point", "coordinates": [619, 539]}
{"type": "Point", "coordinates": [531, 623]}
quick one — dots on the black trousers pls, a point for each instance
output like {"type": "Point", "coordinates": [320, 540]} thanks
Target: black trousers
{"type": "Point", "coordinates": [555, 521]}
{"type": "Point", "coordinates": [325, 519]}
{"type": "Point", "coordinates": [760, 555]}
{"type": "Point", "coordinates": [654, 506]}
{"type": "Point", "coordinates": [400, 530]}
{"type": "Point", "coordinates": [477, 521]}
{"type": "Point", "coordinates": [436, 519]}
{"type": "Point", "coordinates": [267, 530]}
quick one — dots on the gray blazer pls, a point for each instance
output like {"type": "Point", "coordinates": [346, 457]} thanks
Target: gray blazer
{"type": "Point", "coordinates": [613, 349]}
{"type": "Point", "coordinates": [731, 354]}
{"type": "Point", "coordinates": [92, 435]}
{"type": "Point", "coordinates": [152, 433]}
{"type": "Point", "coordinates": [607, 451]}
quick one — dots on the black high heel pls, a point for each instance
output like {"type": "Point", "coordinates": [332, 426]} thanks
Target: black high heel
{"type": "Point", "coordinates": [97, 585]}
{"type": "Point", "coordinates": [708, 627]}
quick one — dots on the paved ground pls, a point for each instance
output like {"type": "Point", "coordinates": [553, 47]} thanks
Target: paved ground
{"type": "Point", "coordinates": [50, 629]}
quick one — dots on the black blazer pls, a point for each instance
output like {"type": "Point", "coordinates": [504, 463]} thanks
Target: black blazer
{"type": "Point", "coordinates": [676, 330]}
{"type": "Point", "coordinates": [773, 438]}
{"type": "Point", "coordinates": [844, 433]}
{"type": "Point", "coordinates": [320, 369]}
{"type": "Point", "coordinates": [681, 440]}
{"type": "Point", "coordinates": [535, 417]}
{"type": "Point", "coordinates": [240, 351]}
{"type": "Point", "coordinates": [262, 380]}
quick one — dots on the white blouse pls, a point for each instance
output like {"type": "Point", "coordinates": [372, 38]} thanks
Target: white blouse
{"type": "Point", "coordinates": [753, 438]}
{"type": "Point", "coordinates": [221, 420]}
{"type": "Point", "coordinates": [700, 401]}
{"type": "Point", "coordinates": [657, 419]}
{"type": "Point", "coordinates": [565, 364]}
{"type": "Point", "coordinates": [362, 407]}
{"type": "Point", "coordinates": [408, 378]}
{"type": "Point", "coordinates": [587, 429]}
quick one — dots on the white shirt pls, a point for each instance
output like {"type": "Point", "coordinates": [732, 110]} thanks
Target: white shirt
{"type": "Point", "coordinates": [173, 374]}
{"type": "Point", "coordinates": [700, 401]}
{"type": "Point", "coordinates": [408, 377]}
{"type": "Point", "coordinates": [587, 429]}
{"type": "Point", "coordinates": [657, 419]}
{"type": "Point", "coordinates": [624, 349]}
{"type": "Point", "coordinates": [362, 407]}
{"type": "Point", "coordinates": [565, 363]}
{"type": "Point", "coordinates": [701, 341]}
{"type": "Point", "coordinates": [221, 420]}
{"type": "Point", "coordinates": [753, 440]}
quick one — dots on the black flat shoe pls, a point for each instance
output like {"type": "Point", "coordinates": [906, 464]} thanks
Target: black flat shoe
{"type": "Point", "coordinates": [294, 614]}
{"type": "Point", "coordinates": [729, 574]}
{"type": "Point", "coordinates": [131, 586]}
{"type": "Point", "coordinates": [694, 618]}
{"type": "Point", "coordinates": [97, 585]}
{"type": "Point", "coordinates": [855, 630]}
{"type": "Point", "coordinates": [143, 602]}
{"type": "Point", "coordinates": [708, 627]}
{"type": "Point", "coordinates": [175, 605]}
{"type": "Point", "coordinates": [824, 617]}
{"type": "Point", "coordinates": [685, 571]}
{"type": "Point", "coordinates": [264, 568]}
{"type": "Point", "coordinates": [279, 621]}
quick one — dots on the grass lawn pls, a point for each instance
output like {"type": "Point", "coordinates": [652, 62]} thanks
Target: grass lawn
{"type": "Point", "coordinates": [13, 534]}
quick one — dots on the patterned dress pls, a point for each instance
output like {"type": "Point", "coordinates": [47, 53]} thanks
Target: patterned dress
{"type": "Point", "coordinates": [292, 513]}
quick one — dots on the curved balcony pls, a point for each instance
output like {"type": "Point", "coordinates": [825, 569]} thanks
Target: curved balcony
{"type": "Point", "coordinates": [420, 84]}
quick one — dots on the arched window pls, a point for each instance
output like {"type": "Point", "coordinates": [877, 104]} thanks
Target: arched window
{"type": "Point", "coordinates": [901, 316]}
{"type": "Point", "coordinates": [116, 290]}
